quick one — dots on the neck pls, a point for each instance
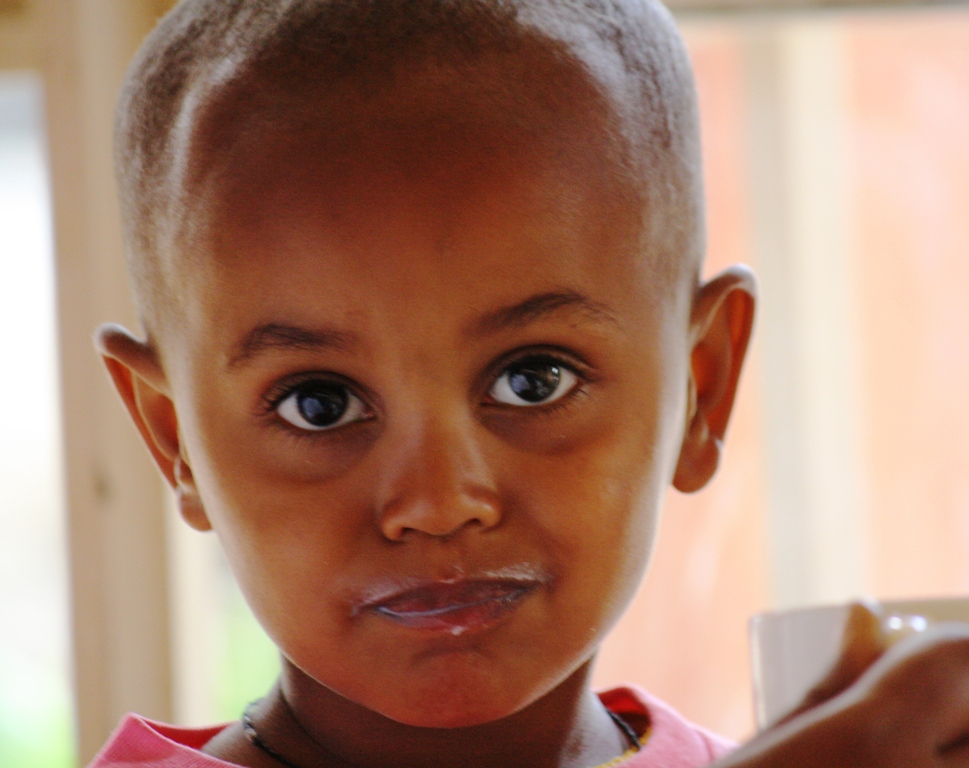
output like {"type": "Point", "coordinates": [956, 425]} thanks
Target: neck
{"type": "Point", "coordinates": [317, 728]}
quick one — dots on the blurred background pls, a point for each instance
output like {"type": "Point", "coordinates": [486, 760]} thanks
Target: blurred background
{"type": "Point", "coordinates": [836, 141]}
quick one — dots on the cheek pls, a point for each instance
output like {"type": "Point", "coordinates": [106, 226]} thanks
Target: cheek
{"type": "Point", "coordinates": [290, 553]}
{"type": "Point", "coordinates": [288, 538]}
{"type": "Point", "coordinates": [596, 509]}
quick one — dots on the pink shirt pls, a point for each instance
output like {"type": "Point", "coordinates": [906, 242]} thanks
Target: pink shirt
{"type": "Point", "coordinates": [673, 741]}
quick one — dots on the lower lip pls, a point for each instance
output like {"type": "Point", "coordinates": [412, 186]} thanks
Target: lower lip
{"type": "Point", "coordinates": [479, 609]}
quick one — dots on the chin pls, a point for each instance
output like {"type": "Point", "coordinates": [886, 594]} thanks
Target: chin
{"type": "Point", "coordinates": [453, 703]}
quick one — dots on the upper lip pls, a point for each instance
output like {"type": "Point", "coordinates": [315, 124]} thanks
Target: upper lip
{"type": "Point", "coordinates": [429, 596]}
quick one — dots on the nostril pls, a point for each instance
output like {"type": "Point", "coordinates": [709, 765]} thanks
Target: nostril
{"type": "Point", "coordinates": [438, 518]}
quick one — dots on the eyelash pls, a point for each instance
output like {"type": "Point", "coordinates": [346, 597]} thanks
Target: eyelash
{"type": "Point", "coordinates": [272, 399]}
{"type": "Point", "coordinates": [558, 357]}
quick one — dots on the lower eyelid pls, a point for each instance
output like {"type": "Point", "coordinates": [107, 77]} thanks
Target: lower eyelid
{"type": "Point", "coordinates": [580, 385]}
{"type": "Point", "coordinates": [277, 397]}
{"type": "Point", "coordinates": [334, 432]}
{"type": "Point", "coordinates": [548, 410]}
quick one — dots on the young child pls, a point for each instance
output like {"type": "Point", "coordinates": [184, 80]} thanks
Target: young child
{"type": "Point", "coordinates": [425, 344]}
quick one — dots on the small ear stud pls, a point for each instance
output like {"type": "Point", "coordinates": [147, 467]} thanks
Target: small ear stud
{"type": "Point", "coordinates": [700, 431]}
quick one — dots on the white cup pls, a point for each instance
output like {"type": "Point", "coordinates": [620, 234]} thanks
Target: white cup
{"type": "Point", "coordinates": [792, 651]}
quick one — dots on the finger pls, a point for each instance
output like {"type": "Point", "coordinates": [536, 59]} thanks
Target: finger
{"type": "Point", "coordinates": [863, 644]}
{"type": "Point", "coordinates": [925, 680]}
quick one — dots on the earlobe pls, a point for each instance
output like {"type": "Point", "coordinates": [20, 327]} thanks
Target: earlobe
{"type": "Point", "coordinates": [721, 324]}
{"type": "Point", "coordinates": [187, 498]}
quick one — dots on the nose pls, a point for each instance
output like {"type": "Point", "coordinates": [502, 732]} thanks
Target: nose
{"type": "Point", "coordinates": [436, 482]}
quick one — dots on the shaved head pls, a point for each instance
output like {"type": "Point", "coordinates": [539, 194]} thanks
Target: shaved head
{"type": "Point", "coordinates": [425, 339]}
{"type": "Point", "coordinates": [217, 77]}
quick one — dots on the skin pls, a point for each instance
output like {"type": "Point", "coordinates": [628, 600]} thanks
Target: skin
{"type": "Point", "coordinates": [908, 709]}
{"type": "Point", "coordinates": [414, 262]}
{"type": "Point", "coordinates": [431, 252]}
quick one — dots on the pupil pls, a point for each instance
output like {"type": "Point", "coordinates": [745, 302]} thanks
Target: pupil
{"type": "Point", "coordinates": [322, 405]}
{"type": "Point", "coordinates": [534, 382]}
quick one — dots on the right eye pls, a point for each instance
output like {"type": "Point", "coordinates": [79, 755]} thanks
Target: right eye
{"type": "Point", "coordinates": [318, 405]}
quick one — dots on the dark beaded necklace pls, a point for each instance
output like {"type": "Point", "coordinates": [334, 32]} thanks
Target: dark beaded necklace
{"type": "Point", "coordinates": [627, 730]}
{"type": "Point", "coordinates": [249, 729]}
{"type": "Point", "coordinates": [256, 740]}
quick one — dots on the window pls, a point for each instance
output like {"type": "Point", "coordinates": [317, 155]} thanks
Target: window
{"type": "Point", "coordinates": [36, 727]}
{"type": "Point", "coordinates": [836, 165]}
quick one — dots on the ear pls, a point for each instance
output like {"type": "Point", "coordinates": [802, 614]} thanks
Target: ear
{"type": "Point", "coordinates": [138, 376]}
{"type": "Point", "coordinates": [720, 326]}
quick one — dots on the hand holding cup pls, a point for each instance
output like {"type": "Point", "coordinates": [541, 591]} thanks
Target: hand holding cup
{"type": "Point", "coordinates": [896, 692]}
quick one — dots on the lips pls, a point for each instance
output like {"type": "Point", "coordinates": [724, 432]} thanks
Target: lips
{"type": "Point", "coordinates": [454, 607]}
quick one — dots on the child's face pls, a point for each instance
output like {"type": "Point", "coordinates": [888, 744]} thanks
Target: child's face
{"type": "Point", "coordinates": [429, 391]}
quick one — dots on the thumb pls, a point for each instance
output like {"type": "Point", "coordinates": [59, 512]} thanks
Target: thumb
{"type": "Point", "coordinates": [863, 643]}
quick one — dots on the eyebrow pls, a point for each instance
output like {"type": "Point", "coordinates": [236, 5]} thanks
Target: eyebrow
{"type": "Point", "coordinates": [283, 337]}
{"type": "Point", "coordinates": [540, 306]}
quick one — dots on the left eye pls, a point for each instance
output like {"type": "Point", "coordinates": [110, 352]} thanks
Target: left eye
{"type": "Point", "coordinates": [534, 381]}
{"type": "Point", "coordinates": [319, 405]}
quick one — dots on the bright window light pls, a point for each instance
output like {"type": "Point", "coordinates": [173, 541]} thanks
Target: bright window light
{"type": "Point", "coordinates": [36, 729]}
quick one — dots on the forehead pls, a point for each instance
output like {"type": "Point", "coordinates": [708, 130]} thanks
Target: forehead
{"type": "Point", "coordinates": [533, 88]}
{"type": "Point", "coordinates": [526, 100]}
{"type": "Point", "coordinates": [438, 130]}
{"type": "Point", "coordinates": [523, 150]}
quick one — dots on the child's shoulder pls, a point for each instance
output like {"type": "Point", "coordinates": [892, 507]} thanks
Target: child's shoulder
{"type": "Point", "coordinates": [672, 741]}
{"type": "Point", "coordinates": [141, 743]}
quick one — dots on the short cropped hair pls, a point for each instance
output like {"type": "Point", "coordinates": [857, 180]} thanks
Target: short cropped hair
{"type": "Point", "coordinates": [199, 39]}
